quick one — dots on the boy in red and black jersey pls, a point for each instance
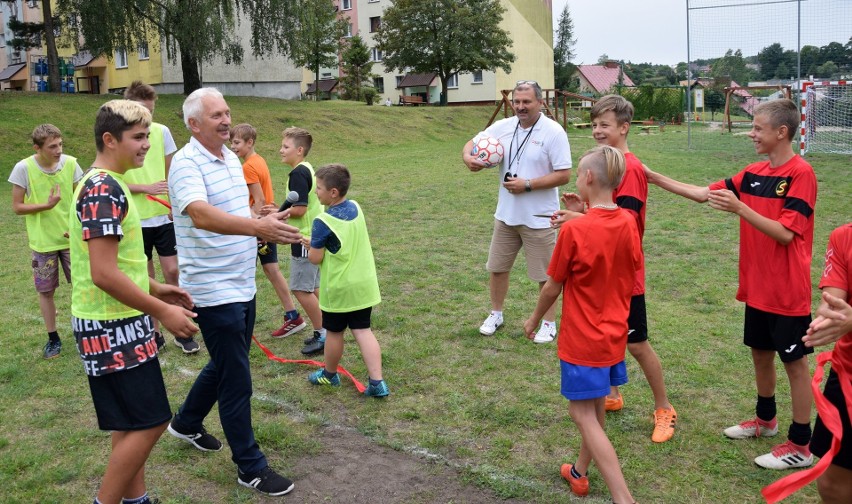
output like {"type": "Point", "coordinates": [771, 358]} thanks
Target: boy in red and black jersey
{"type": "Point", "coordinates": [775, 201]}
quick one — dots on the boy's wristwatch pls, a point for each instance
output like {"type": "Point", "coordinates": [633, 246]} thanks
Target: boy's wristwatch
{"type": "Point", "coordinates": [527, 186]}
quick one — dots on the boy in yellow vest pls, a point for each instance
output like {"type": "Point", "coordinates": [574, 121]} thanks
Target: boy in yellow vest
{"type": "Point", "coordinates": [304, 276]}
{"type": "Point", "coordinates": [158, 230]}
{"type": "Point", "coordinates": [113, 300]}
{"type": "Point", "coordinates": [41, 188]}
{"type": "Point", "coordinates": [349, 287]}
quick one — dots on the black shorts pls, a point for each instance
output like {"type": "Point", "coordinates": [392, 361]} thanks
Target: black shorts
{"type": "Point", "coordinates": [781, 333]}
{"type": "Point", "coordinates": [268, 253]}
{"type": "Point", "coordinates": [637, 320]}
{"type": "Point", "coordinates": [821, 438]}
{"type": "Point", "coordinates": [131, 400]}
{"type": "Point", "coordinates": [337, 322]}
{"type": "Point", "coordinates": [161, 237]}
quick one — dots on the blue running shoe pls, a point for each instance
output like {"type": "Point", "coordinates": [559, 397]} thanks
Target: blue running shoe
{"type": "Point", "coordinates": [380, 390]}
{"type": "Point", "coordinates": [318, 378]}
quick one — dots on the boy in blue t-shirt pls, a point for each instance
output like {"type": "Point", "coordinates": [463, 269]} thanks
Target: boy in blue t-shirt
{"type": "Point", "coordinates": [349, 287]}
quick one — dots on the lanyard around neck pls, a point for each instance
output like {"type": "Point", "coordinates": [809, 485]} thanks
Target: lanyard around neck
{"type": "Point", "coordinates": [520, 150]}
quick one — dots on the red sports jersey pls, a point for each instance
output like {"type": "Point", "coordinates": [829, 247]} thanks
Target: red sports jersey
{"type": "Point", "coordinates": [776, 278]}
{"type": "Point", "coordinates": [632, 195]}
{"type": "Point", "coordinates": [596, 258]}
{"type": "Point", "coordinates": [838, 274]}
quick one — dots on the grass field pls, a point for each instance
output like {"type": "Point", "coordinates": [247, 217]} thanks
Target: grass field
{"type": "Point", "coordinates": [490, 406]}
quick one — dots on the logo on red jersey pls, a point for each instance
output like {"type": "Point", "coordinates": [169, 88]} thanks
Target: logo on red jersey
{"type": "Point", "coordinates": [781, 188]}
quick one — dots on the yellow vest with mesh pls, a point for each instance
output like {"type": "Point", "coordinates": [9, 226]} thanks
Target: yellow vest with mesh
{"type": "Point", "coordinates": [305, 222]}
{"type": "Point", "coordinates": [46, 230]}
{"type": "Point", "coordinates": [154, 170]}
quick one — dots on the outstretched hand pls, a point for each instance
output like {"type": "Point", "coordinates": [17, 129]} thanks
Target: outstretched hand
{"type": "Point", "coordinates": [273, 228]}
{"type": "Point", "coordinates": [834, 319]}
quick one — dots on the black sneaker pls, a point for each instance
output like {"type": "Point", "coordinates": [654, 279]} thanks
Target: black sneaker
{"type": "Point", "coordinates": [188, 345]}
{"type": "Point", "coordinates": [265, 481]}
{"type": "Point", "coordinates": [202, 440]}
{"type": "Point", "coordinates": [161, 341]}
{"type": "Point", "coordinates": [315, 345]}
{"type": "Point", "coordinates": [52, 349]}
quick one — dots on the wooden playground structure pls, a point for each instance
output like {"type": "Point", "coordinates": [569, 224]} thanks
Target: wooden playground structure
{"type": "Point", "coordinates": [746, 101]}
{"type": "Point", "coordinates": [553, 107]}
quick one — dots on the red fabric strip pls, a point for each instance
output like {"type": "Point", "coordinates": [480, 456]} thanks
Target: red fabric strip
{"type": "Point", "coordinates": [830, 416]}
{"type": "Point", "coordinates": [340, 369]}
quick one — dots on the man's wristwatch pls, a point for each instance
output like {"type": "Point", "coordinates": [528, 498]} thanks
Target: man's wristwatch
{"type": "Point", "coordinates": [527, 186]}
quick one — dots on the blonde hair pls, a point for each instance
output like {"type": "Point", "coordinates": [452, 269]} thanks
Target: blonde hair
{"type": "Point", "coordinates": [245, 132]}
{"type": "Point", "coordinates": [301, 137]}
{"type": "Point", "coordinates": [606, 164]}
{"type": "Point", "coordinates": [781, 113]}
{"type": "Point", "coordinates": [117, 116]}
{"type": "Point", "coordinates": [618, 105]}
{"type": "Point", "coordinates": [44, 132]}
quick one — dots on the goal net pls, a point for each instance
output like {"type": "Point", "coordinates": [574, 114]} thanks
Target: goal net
{"type": "Point", "coordinates": [826, 117]}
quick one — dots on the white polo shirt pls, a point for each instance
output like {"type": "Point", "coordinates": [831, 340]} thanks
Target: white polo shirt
{"type": "Point", "coordinates": [533, 152]}
{"type": "Point", "coordinates": [215, 269]}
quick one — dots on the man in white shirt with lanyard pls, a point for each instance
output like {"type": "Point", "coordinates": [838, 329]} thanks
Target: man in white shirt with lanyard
{"type": "Point", "coordinates": [537, 161]}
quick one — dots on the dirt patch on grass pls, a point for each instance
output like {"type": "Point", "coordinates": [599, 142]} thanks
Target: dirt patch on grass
{"type": "Point", "coordinates": [351, 468]}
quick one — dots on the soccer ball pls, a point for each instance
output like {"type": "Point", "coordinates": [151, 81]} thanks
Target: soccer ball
{"type": "Point", "coordinates": [488, 150]}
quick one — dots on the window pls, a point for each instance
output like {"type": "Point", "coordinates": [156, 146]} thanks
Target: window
{"type": "Point", "coordinates": [143, 51]}
{"type": "Point", "coordinates": [2, 40]}
{"type": "Point", "coordinates": [120, 58]}
{"type": "Point", "coordinates": [477, 77]}
{"type": "Point", "coordinates": [399, 80]}
{"type": "Point", "coordinates": [375, 54]}
{"type": "Point", "coordinates": [372, 1]}
{"type": "Point", "coordinates": [348, 30]}
{"type": "Point", "coordinates": [375, 24]}
{"type": "Point", "coordinates": [326, 75]}
{"type": "Point", "coordinates": [379, 84]}
{"type": "Point", "coordinates": [453, 81]}
{"type": "Point", "coordinates": [345, 4]}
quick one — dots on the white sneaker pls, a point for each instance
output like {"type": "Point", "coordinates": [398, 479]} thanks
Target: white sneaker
{"type": "Point", "coordinates": [489, 327]}
{"type": "Point", "coordinates": [785, 456]}
{"type": "Point", "coordinates": [545, 333]}
{"type": "Point", "coordinates": [750, 429]}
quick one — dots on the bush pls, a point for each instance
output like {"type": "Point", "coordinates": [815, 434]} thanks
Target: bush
{"type": "Point", "coordinates": [370, 94]}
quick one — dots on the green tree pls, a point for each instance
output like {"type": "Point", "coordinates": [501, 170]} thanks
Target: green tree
{"type": "Point", "coordinates": [563, 50]}
{"type": "Point", "coordinates": [731, 65]}
{"type": "Point", "coordinates": [197, 30]}
{"type": "Point", "coordinates": [356, 67]}
{"type": "Point", "coordinates": [769, 58]}
{"type": "Point", "coordinates": [445, 37]}
{"type": "Point", "coordinates": [29, 35]}
{"type": "Point", "coordinates": [828, 70]}
{"type": "Point", "coordinates": [810, 59]}
{"type": "Point", "coordinates": [315, 38]}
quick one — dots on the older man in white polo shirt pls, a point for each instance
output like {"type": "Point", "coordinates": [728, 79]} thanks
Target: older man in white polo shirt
{"type": "Point", "coordinates": [217, 247]}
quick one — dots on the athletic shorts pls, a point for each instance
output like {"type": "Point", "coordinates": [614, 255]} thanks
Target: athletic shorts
{"type": "Point", "coordinates": [507, 240]}
{"type": "Point", "coordinates": [781, 333]}
{"type": "Point", "coordinates": [338, 322]}
{"type": "Point", "coordinates": [821, 438]}
{"type": "Point", "coordinates": [304, 276]}
{"type": "Point", "coordinates": [637, 320]}
{"type": "Point", "coordinates": [46, 269]}
{"type": "Point", "coordinates": [268, 253]}
{"type": "Point", "coordinates": [584, 382]}
{"type": "Point", "coordinates": [162, 238]}
{"type": "Point", "coordinates": [131, 400]}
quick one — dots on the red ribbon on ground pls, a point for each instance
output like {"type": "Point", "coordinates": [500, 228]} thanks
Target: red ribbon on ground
{"type": "Point", "coordinates": [830, 416]}
{"type": "Point", "coordinates": [340, 369]}
{"type": "Point", "coordinates": [160, 201]}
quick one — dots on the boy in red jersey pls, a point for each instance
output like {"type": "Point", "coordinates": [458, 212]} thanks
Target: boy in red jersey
{"type": "Point", "coordinates": [594, 265]}
{"type": "Point", "coordinates": [775, 201]}
{"type": "Point", "coordinates": [832, 324]}
{"type": "Point", "coordinates": [611, 116]}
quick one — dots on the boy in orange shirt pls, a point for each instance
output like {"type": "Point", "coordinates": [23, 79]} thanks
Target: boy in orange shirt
{"type": "Point", "coordinates": [259, 182]}
{"type": "Point", "coordinates": [594, 265]}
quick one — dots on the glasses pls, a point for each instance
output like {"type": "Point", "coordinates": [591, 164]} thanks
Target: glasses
{"type": "Point", "coordinates": [525, 82]}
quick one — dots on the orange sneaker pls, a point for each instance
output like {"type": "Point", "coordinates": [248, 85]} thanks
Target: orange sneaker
{"type": "Point", "coordinates": [579, 486]}
{"type": "Point", "coordinates": [614, 404]}
{"type": "Point", "coordinates": [664, 424]}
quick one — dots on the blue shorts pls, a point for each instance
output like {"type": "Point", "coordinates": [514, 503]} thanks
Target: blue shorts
{"type": "Point", "coordinates": [585, 382]}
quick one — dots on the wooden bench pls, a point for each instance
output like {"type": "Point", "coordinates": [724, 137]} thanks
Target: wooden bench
{"type": "Point", "coordinates": [411, 100]}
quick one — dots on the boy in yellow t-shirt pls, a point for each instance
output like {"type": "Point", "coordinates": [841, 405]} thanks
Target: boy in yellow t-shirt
{"type": "Point", "coordinates": [42, 185]}
{"type": "Point", "coordinates": [349, 287]}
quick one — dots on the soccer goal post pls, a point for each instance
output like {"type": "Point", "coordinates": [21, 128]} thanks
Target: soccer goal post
{"type": "Point", "coordinates": [826, 117]}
